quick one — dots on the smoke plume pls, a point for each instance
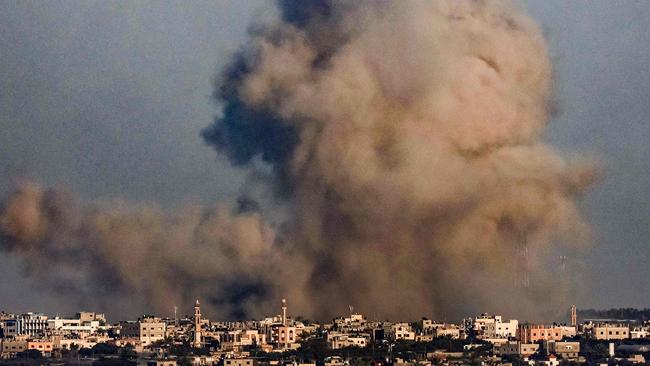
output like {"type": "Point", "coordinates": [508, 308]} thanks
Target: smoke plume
{"type": "Point", "coordinates": [406, 141]}
{"type": "Point", "coordinates": [141, 258]}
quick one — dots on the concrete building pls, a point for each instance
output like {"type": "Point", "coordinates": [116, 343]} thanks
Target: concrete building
{"type": "Point", "coordinates": [152, 329]}
{"type": "Point", "coordinates": [486, 326]}
{"type": "Point", "coordinates": [608, 331]}
{"type": "Point", "coordinates": [399, 331]}
{"type": "Point", "coordinates": [31, 324]}
{"type": "Point", "coordinates": [89, 316]}
{"type": "Point", "coordinates": [75, 327]}
{"type": "Point", "coordinates": [240, 362]}
{"type": "Point", "coordinates": [9, 327]}
{"type": "Point", "coordinates": [161, 363]}
{"type": "Point", "coordinates": [281, 331]}
{"type": "Point", "coordinates": [640, 332]}
{"type": "Point", "coordinates": [45, 347]}
{"type": "Point", "coordinates": [531, 333]}
{"type": "Point", "coordinates": [354, 323]}
{"type": "Point", "coordinates": [516, 348]}
{"type": "Point", "coordinates": [11, 347]}
{"type": "Point", "coordinates": [427, 329]}
{"type": "Point", "coordinates": [146, 330]}
{"type": "Point", "coordinates": [565, 350]}
{"type": "Point", "coordinates": [337, 340]}
{"type": "Point", "coordinates": [129, 329]}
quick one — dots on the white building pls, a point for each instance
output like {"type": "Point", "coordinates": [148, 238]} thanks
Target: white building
{"type": "Point", "coordinates": [640, 332]}
{"type": "Point", "coordinates": [31, 324]}
{"type": "Point", "coordinates": [487, 326]}
{"type": "Point", "coordinates": [72, 326]}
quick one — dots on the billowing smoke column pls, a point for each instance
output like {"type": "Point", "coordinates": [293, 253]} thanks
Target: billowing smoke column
{"type": "Point", "coordinates": [405, 138]}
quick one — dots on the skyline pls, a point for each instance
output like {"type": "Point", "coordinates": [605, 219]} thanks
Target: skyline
{"type": "Point", "coordinates": [87, 163]}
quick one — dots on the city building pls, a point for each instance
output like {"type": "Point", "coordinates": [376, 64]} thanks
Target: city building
{"type": "Point", "coordinates": [531, 333]}
{"type": "Point", "coordinates": [516, 348]}
{"type": "Point", "coordinates": [565, 350]}
{"type": "Point", "coordinates": [399, 331]}
{"type": "Point", "coordinates": [607, 331]}
{"type": "Point", "coordinates": [337, 340]}
{"type": "Point", "coordinates": [11, 347]}
{"type": "Point", "coordinates": [486, 326]}
{"type": "Point", "coordinates": [152, 329]}
{"type": "Point", "coordinates": [31, 324]}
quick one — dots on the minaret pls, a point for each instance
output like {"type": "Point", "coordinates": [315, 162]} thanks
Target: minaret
{"type": "Point", "coordinates": [175, 315]}
{"type": "Point", "coordinates": [284, 312]}
{"type": "Point", "coordinates": [197, 325]}
{"type": "Point", "coordinates": [574, 316]}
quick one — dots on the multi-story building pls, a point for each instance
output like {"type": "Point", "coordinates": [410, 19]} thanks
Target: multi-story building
{"type": "Point", "coordinates": [608, 331]}
{"type": "Point", "coordinates": [399, 331]}
{"type": "Point", "coordinates": [531, 333]}
{"type": "Point", "coordinates": [281, 331]}
{"type": "Point", "coordinates": [129, 329]}
{"type": "Point", "coordinates": [31, 324]}
{"type": "Point", "coordinates": [353, 323]}
{"type": "Point", "coordinates": [89, 316]}
{"type": "Point", "coordinates": [152, 329]}
{"type": "Point", "coordinates": [9, 326]}
{"type": "Point", "coordinates": [487, 326]}
{"type": "Point", "coordinates": [146, 330]}
{"type": "Point", "coordinates": [72, 327]}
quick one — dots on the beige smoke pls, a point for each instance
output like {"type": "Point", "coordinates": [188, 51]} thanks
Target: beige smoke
{"type": "Point", "coordinates": [421, 173]}
{"type": "Point", "coordinates": [117, 254]}
{"type": "Point", "coordinates": [418, 178]}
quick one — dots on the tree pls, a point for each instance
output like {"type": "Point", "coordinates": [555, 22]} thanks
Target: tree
{"type": "Point", "coordinates": [105, 349]}
{"type": "Point", "coordinates": [128, 352]}
{"type": "Point", "coordinates": [33, 354]}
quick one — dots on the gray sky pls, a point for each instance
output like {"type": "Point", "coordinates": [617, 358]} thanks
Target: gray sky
{"type": "Point", "coordinates": [106, 99]}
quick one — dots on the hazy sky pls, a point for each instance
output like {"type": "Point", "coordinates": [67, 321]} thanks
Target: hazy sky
{"type": "Point", "coordinates": [106, 99]}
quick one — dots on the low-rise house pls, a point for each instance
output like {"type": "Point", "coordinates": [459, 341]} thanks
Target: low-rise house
{"type": "Point", "coordinates": [565, 350]}
{"type": "Point", "coordinates": [516, 348]}
{"type": "Point", "coordinates": [343, 340]}
{"type": "Point", "coordinates": [11, 347]}
{"type": "Point", "coordinates": [45, 347]}
{"type": "Point", "coordinates": [399, 331]}
{"type": "Point", "coordinates": [240, 362]}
